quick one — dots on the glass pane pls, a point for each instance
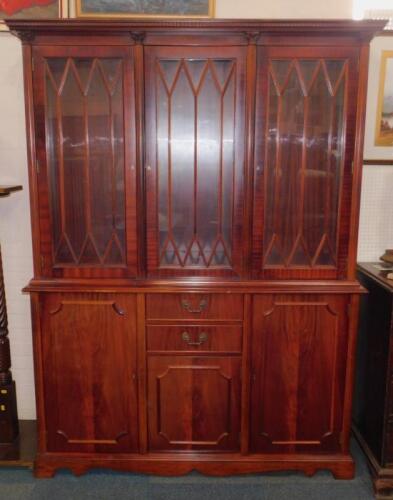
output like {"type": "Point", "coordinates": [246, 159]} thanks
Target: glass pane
{"type": "Point", "coordinates": [196, 69]}
{"type": "Point", "coordinates": [334, 69]}
{"type": "Point", "coordinates": [336, 166]}
{"type": "Point", "coordinates": [100, 160]}
{"type": "Point", "coordinates": [85, 151]}
{"type": "Point", "coordinates": [304, 163]}
{"type": "Point", "coordinates": [280, 70]}
{"type": "Point", "coordinates": [74, 155]}
{"type": "Point", "coordinates": [118, 187]}
{"type": "Point", "coordinates": [162, 165]}
{"type": "Point", "coordinates": [195, 151]}
{"type": "Point", "coordinates": [228, 171]}
{"type": "Point", "coordinates": [317, 175]}
{"type": "Point", "coordinates": [169, 70]}
{"type": "Point", "coordinates": [52, 146]}
{"type": "Point", "coordinates": [272, 252]}
{"type": "Point", "coordinates": [209, 164]}
{"type": "Point", "coordinates": [282, 238]}
{"type": "Point", "coordinates": [181, 167]}
{"type": "Point", "coordinates": [307, 71]}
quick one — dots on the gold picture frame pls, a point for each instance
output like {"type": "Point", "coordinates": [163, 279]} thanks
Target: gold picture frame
{"type": "Point", "coordinates": [80, 13]}
{"type": "Point", "coordinates": [384, 119]}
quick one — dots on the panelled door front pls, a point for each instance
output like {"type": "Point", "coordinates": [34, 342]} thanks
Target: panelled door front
{"type": "Point", "coordinates": [86, 161]}
{"type": "Point", "coordinates": [195, 106]}
{"type": "Point", "coordinates": [89, 353]}
{"type": "Point", "coordinates": [194, 403]}
{"type": "Point", "coordinates": [298, 368]}
{"type": "Point", "coordinates": [306, 113]}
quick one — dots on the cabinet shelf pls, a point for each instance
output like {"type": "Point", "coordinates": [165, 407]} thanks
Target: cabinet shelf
{"type": "Point", "coordinates": [7, 190]}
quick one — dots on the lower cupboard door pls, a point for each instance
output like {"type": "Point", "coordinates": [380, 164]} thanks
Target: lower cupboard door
{"type": "Point", "coordinates": [89, 360]}
{"type": "Point", "coordinates": [193, 403]}
{"type": "Point", "coordinates": [299, 351]}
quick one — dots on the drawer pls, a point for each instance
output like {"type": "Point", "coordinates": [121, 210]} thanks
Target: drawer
{"type": "Point", "coordinates": [220, 338]}
{"type": "Point", "coordinates": [194, 306]}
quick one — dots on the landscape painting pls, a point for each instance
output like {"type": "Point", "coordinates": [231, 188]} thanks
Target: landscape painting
{"type": "Point", "coordinates": [29, 9]}
{"type": "Point", "coordinates": [384, 132]}
{"type": "Point", "coordinates": [144, 8]}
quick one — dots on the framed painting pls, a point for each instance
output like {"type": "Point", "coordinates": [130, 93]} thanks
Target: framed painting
{"type": "Point", "coordinates": [144, 8]}
{"type": "Point", "coordinates": [384, 122]}
{"type": "Point", "coordinates": [30, 9]}
{"type": "Point", "coordinates": [378, 140]}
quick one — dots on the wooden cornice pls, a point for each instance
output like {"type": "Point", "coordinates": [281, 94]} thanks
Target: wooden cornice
{"type": "Point", "coordinates": [28, 29]}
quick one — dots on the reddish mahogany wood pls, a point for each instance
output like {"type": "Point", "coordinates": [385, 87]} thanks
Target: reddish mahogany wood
{"type": "Point", "coordinates": [193, 403]}
{"type": "Point", "coordinates": [31, 157]}
{"type": "Point", "coordinates": [88, 347]}
{"type": "Point", "coordinates": [87, 185]}
{"type": "Point", "coordinates": [141, 373]}
{"type": "Point", "coordinates": [199, 338]}
{"type": "Point", "coordinates": [302, 166]}
{"type": "Point", "coordinates": [217, 464]}
{"type": "Point", "coordinates": [188, 332]}
{"type": "Point", "coordinates": [305, 28]}
{"type": "Point", "coordinates": [353, 228]}
{"type": "Point", "coordinates": [194, 306]}
{"type": "Point", "coordinates": [298, 365]}
{"type": "Point", "coordinates": [195, 101]}
{"type": "Point", "coordinates": [204, 287]}
{"type": "Point", "coordinates": [245, 375]}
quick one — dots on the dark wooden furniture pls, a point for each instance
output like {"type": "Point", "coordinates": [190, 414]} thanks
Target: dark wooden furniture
{"type": "Point", "coordinates": [373, 406]}
{"type": "Point", "coordinates": [8, 410]}
{"type": "Point", "coordinates": [9, 427]}
{"type": "Point", "coordinates": [22, 451]}
{"type": "Point", "coordinates": [194, 199]}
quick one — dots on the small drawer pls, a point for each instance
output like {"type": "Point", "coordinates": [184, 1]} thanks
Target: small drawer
{"type": "Point", "coordinates": [225, 338]}
{"type": "Point", "coordinates": [194, 306]}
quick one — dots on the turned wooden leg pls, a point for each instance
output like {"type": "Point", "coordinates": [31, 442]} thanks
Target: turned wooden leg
{"type": "Point", "coordinates": [9, 428]}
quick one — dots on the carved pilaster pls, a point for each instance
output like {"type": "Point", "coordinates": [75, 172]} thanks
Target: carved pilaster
{"type": "Point", "coordinates": [5, 357]}
{"type": "Point", "coordinates": [252, 37]}
{"type": "Point", "coordinates": [138, 37]}
{"type": "Point", "coordinates": [8, 413]}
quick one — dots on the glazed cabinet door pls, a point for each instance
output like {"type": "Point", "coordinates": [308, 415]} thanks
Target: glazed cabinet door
{"type": "Point", "coordinates": [299, 351]}
{"type": "Point", "coordinates": [193, 402]}
{"type": "Point", "coordinates": [89, 372]}
{"type": "Point", "coordinates": [306, 113]}
{"type": "Point", "coordinates": [85, 160]}
{"type": "Point", "coordinates": [195, 106]}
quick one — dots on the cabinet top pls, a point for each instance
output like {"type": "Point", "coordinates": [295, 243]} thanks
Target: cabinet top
{"type": "Point", "coordinates": [372, 269]}
{"type": "Point", "coordinates": [28, 29]}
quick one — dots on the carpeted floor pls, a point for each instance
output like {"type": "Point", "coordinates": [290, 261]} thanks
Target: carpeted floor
{"type": "Point", "coordinates": [19, 484]}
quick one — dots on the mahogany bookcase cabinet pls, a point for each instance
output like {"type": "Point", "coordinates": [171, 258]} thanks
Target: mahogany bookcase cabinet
{"type": "Point", "coordinates": [194, 198]}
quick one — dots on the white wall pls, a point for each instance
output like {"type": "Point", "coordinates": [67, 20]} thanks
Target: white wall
{"type": "Point", "coordinates": [376, 232]}
{"type": "Point", "coordinates": [376, 213]}
{"type": "Point", "coordinates": [15, 233]}
{"type": "Point", "coordinates": [284, 8]}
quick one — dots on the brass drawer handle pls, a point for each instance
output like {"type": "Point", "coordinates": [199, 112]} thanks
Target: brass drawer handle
{"type": "Point", "coordinates": [187, 306]}
{"type": "Point", "coordinates": [202, 337]}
